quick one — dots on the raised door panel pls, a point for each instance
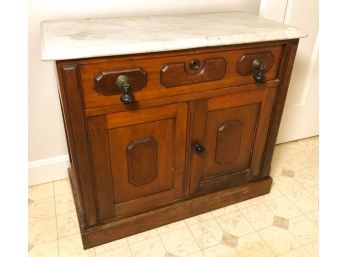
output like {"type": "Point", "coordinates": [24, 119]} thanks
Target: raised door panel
{"type": "Point", "coordinates": [139, 159]}
{"type": "Point", "coordinates": [228, 140]}
{"type": "Point", "coordinates": [229, 137]}
{"type": "Point", "coordinates": [142, 159]}
{"type": "Point", "coordinates": [232, 129]}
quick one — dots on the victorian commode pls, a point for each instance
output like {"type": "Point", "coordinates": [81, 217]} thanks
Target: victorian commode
{"type": "Point", "coordinates": [167, 117]}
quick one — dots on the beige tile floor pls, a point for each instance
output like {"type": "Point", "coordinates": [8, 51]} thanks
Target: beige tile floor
{"type": "Point", "coordinates": [283, 223]}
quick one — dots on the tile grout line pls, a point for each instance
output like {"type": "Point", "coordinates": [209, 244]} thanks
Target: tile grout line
{"type": "Point", "coordinates": [296, 238]}
{"type": "Point", "coordinates": [302, 212]}
{"type": "Point", "coordinates": [294, 204]}
{"type": "Point", "coordinates": [238, 209]}
{"type": "Point", "coordinates": [43, 198]}
{"type": "Point", "coordinates": [288, 155]}
{"type": "Point", "coordinates": [305, 150]}
{"type": "Point", "coordinates": [43, 219]}
{"type": "Point", "coordinates": [251, 223]}
{"type": "Point", "coordinates": [55, 212]}
{"type": "Point", "coordinates": [141, 239]}
{"type": "Point", "coordinates": [68, 213]}
{"type": "Point", "coordinates": [316, 225]}
{"type": "Point", "coordinates": [128, 245]}
{"type": "Point", "coordinates": [283, 217]}
{"type": "Point", "coordinates": [170, 230]}
{"type": "Point", "coordinates": [224, 245]}
{"type": "Point", "coordinates": [50, 241]}
{"type": "Point", "coordinates": [265, 242]}
{"type": "Point", "coordinates": [164, 246]}
{"type": "Point", "coordinates": [299, 208]}
{"type": "Point", "coordinates": [193, 234]}
{"type": "Point", "coordinates": [317, 198]}
{"type": "Point", "coordinates": [234, 235]}
{"type": "Point", "coordinates": [310, 253]}
{"type": "Point", "coordinates": [256, 231]}
{"type": "Point", "coordinates": [69, 193]}
{"type": "Point", "coordinates": [46, 183]}
{"type": "Point", "coordinates": [292, 179]}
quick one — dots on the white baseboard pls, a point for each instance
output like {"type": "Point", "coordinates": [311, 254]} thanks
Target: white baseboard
{"type": "Point", "coordinates": [47, 170]}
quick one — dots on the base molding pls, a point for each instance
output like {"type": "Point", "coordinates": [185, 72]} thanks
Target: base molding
{"type": "Point", "coordinates": [48, 170]}
{"type": "Point", "coordinates": [102, 234]}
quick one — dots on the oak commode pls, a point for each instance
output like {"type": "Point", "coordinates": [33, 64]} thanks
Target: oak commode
{"type": "Point", "coordinates": [167, 117]}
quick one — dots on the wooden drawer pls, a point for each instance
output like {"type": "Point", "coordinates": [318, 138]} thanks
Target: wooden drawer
{"type": "Point", "coordinates": [176, 73]}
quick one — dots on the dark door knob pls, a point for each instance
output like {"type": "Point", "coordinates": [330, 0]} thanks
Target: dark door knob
{"type": "Point", "coordinates": [194, 64]}
{"type": "Point", "coordinates": [259, 71]}
{"type": "Point", "coordinates": [199, 149]}
{"type": "Point", "coordinates": [123, 82]}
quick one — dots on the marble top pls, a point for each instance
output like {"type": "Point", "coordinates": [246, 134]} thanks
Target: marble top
{"type": "Point", "coordinates": [73, 39]}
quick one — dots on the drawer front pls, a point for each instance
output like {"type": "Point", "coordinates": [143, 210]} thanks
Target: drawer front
{"type": "Point", "coordinates": [169, 74]}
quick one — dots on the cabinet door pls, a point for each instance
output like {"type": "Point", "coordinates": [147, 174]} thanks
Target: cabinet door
{"type": "Point", "coordinates": [228, 137]}
{"type": "Point", "coordinates": [138, 159]}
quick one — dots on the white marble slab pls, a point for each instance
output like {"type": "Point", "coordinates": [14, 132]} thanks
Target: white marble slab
{"type": "Point", "coordinates": [72, 39]}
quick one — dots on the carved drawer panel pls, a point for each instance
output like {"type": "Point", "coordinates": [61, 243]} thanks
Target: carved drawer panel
{"type": "Point", "coordinates": [181, 73]}
{"type": "Point", "coordinates": [105, 81]}
{"type": "Point", "coordinates": [161, 75]}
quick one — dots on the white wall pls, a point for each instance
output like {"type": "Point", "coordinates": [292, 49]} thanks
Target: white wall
{"type": "Point", "coordinates": [48, 155]}
{"type": "Point", "coordinates": [301, 113]}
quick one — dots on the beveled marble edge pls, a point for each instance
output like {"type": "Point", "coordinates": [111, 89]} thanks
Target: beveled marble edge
{"type": "Point", "coordinates": [74, 39]}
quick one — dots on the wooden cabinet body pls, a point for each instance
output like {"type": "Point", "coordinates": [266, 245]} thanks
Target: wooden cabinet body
{"type": "Point", "coordinates": [200, 136]}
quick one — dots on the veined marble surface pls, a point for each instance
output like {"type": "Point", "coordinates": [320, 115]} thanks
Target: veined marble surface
{"type": "Point", "coordinates": [72, 39]}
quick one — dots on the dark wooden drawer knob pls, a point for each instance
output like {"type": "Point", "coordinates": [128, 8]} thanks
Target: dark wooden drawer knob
{"type": "Point", "coordinates": [258, 71]}
{"type": "Point", "coordinates": [111, 82]}
{"type": "Point", "coordinates": [123, 82]}
{"type": "Point", "coordinates": [199, 149]}
{"type": "Point", "coordinates": [256, 64]}
{"type": "Point", "coordinates": [194, 64]}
